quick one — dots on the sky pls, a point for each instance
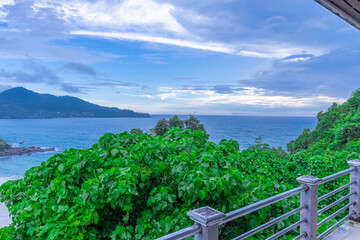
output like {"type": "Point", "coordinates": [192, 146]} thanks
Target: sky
{"type": "Point", "coordinates": [211, 57]}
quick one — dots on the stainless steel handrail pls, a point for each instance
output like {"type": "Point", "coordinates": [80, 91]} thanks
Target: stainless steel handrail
{"type": "Point", "coordinates": [335, 203]}
{"type": "Point", "coordinates": [335, 191]}
{"type": "Point", "coordinates": [268, 224]}
{"type": "Point", "coordinates": [337, 175]}
{"type": "Point", "coordinates": [286, 230]}
{"type": "Point", "coordinates": [335, 225]}
{"type": "Point", "coordinates": [335, 214]}
{"type": "Point", "coordinates": [300, 236]}
{"type": "Point", "coordinates": [261, 204]}
{"type": "Point", "coordinates": [216, 218]}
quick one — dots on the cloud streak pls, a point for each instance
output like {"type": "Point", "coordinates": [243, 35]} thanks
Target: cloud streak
{"type": "Point", "coordinates": [246, 96]}
{"type": "Point", "coordinates": [261, 50]}
{"type": "Point", "coordinates": [80, 68]}
{"type": "Point", "coordinates": [333, 74]}
{"type": "Point", "coordinates": [36, 73]}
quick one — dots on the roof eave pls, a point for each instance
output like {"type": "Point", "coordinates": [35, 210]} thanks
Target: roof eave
{"type": "Point", "coordinates": [340, 12]}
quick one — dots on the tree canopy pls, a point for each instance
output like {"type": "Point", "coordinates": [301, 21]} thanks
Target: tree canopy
{"type": "Point", "coordinates": [336, 128]}
{"type": "Point", "coordinates": [163, 125]}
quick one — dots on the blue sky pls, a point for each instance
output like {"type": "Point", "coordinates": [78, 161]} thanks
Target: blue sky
{"type": "Point", "coordinates": [240, 57]}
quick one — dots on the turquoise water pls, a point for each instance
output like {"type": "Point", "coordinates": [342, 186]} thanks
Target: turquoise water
{"type": "Point", "coordinates": [82, 133]}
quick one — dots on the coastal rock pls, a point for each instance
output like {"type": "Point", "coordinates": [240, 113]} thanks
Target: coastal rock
{"type": "Point", "coordinates": [23, 151]}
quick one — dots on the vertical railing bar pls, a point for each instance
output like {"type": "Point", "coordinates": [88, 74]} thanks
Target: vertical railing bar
{"type": "Point", "coordinates": [309, 198]}
{"type": "Point", "coordinates": [355, 176]}
{"type": "Point", "coordinates": [209, 219]}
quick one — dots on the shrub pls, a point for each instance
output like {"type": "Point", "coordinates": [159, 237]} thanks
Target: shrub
{"type": "Point", "coordinates": [130, 186]}
{"type": "Point", "coordinates": [4, 145]}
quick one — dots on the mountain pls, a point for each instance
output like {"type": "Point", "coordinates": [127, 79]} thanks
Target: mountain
{"type": "Point", "coordinates": [22, 103]}
{"type": "Point", "coordinates": [337, 129]}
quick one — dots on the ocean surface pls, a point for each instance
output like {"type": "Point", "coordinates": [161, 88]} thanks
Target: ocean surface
{"type": "Point", "coordinates": [83, 132]}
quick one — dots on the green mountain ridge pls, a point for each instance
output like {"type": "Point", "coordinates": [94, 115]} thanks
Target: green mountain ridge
{"type": "Point", "coordinates": [335, 130]}
{"type": "Point", "coordinates": [20, 102]}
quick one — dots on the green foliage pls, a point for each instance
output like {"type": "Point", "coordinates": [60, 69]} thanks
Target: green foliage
{"type": "Point", "coordinates": [335, 129]}
{"type": "Point", "coordinates": [4, 145]}
{"type": "Point", "coordinates": [163, 125]}
{"type": "Point", "coordinates": [175, 121]}
{"type": "Point", "coordinates": [5, 233]}
{"type": "Point", "coordinates": [137, 131]}
{"type": "Point", "coordinates": [301, 142]}
{"type": "Point", "coordinates": [130, 186]}
{"type": "Point", "coordinates": [278, 152]}
{"type": "Point", "coordinates": [193, 123]}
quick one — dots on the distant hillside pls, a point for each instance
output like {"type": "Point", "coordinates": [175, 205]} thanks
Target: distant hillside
{"type": "Point", "coordinates": [336, 128]}
{"type": "Point", "coordinates": [22, 103]}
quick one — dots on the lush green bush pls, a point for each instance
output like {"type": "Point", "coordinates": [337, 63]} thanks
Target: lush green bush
{"type": "Point", "coordinates": [5, 233]}
{"type": "Point", "coordinates": [131, 186]}
{"type": "Point", "coordinates": [4, 145]}
{"type": "Point", "coordinates": [336, 128]}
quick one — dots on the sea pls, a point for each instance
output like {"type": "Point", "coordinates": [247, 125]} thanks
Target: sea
{"type": "Point", "coordinates": [67, 133]}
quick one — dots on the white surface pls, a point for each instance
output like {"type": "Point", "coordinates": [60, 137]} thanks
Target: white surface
{"type": "Point", "coordinates": [348, 231]}
{"type": "Point", "coordinates": [5, 220]}
{"type": "Point", "coordinates": [4, 216]}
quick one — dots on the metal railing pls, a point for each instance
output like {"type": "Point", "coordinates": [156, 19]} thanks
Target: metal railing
{"type": "Point", "coordinates": [207, 220]}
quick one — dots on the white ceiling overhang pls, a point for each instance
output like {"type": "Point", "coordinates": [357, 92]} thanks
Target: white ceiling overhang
{"type": "Point", "coordinates": [349, 10]}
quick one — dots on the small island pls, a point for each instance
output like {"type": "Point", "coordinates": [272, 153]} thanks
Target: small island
{"type": "Point", "coordinates": [6, 150]}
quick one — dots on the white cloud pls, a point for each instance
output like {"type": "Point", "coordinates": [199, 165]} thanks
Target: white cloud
{"type": "Point", "coordinates": [147, 21]}
{"type": "Point", "coordinates": [208, 46]}
{"type": "Point", "coordinates": [122, 15]}
{"type": "Point", "coordinates": [261, 50]}
{"type": "Point", "coordinates": [247, 96]}
{"type": "Point", "coordinates": [3, 12]}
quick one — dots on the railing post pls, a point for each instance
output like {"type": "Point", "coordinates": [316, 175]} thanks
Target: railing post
{"type": "Point", "coordinates": [355, 176]}
{"type": "Point", "coordinates": [309, 198]}
{"type": "Point", "coordinates": [209, 220]}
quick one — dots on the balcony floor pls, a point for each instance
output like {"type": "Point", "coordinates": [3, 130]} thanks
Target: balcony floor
{"type": "Point", "coordinates": [350, 230]}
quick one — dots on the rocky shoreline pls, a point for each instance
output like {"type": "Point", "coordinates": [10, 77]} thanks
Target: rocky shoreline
{"type": "Point", "coordinates": [23, 151]}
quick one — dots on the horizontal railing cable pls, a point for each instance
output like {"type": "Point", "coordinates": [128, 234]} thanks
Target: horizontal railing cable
{"type": "Point", "coordinates": [334, 226]}
{"type": "Point", "coordinates": [337, 175]}
{"type": "Point", "coordinates": [261, 204]}
{"type": "Point", "coordinates": [335, 214]}
{"type": "Point", "coordinates": [300, 236]}
{"type": "Point", "coordinates": [335, 191]}
{"type": "Point", "coordinates": [335, 203]}
{"type": "Point", "coordinates": [286, 230]}
{"type": "Point", "coordinates": [206, 213]}
{"type": "Point", "coordinates": [183, 233]}
{"type": "Point", "coordinates": [268, 224]}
